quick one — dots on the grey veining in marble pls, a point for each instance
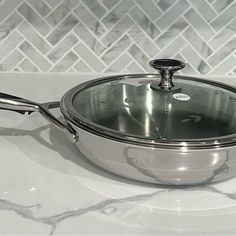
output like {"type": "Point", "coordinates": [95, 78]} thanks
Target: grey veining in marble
{"type": "Point", "coordinates": [105, 207]}
{"type": "Point", "coordinates": [40, 6]}
{"type": "Point", "coordinates": [117, 49]}
{"type": "Point", "coordinates": [222, 36]}
{"type": "Point", "coordinates": [11, 60]}
{"type": "Point", "coordinates": [36, 21]}
{"type": "Point", "coordinates": [54, 220]}
{"type": "Point", "coordinates": [155, 27]}
{"type": "Point", "coordinates": [89, 39]}
{"type": "Point", "coordinates": [8, 45]}
{"type": "Point", "coordinates": [150, 8]}
{"type": "Point", "coordinates": [9, 25]}
{"type": "Point", "coordinates": [89, 57]}
{"type": "Point", "coordinates": [31, 53]}
{"type": "Point", "coordinates": [220, 5]}
{"type": "Point", "coordinates": [82, 66]}
{"type": "Point", "coordinates": [195, 61]}
{"type": "Point", "coordinates": [144, 42]}
{"type": "Point", "coordinates": [61, 12]}
{"type": "Point", "coordinates": [143, 21]}
{"type": "Point", "coordinates": [65, 63]}
{"type": "Point", "coordinates": [139, 56]}
{"type": "Point", "coordinates": [27, 66]}
{"type": "Point", "coordinates": [90, 20]}
{"type": "Point", "coordinates": [222, 52]}
{"type": "Point", "coordinates": [197, 42]}
{"type": "Point", "coordinates": [164, 5]}
{"type": "Point", "coordinates": [168, 35]}
{"type": "Point", "coordinates": [117, 13]}
{"type": "Point", "coordinates": [177, 9]}
{"type": "Point", "coordinates": [62, 48]}
{"type": "Point", "coordinates": [36, 39]}
{"type": "Point", "coordinates": [202, 7]}
{"type": "Point", "coordinates": [98, 10]}
{"type": "Point", "coordinates": [122, 62]}
{"type": "Point", "coordinates": [224, 17]}
{"type": "Point", "coordinates": [109, 3]}
{"type": "Point", "coordinates": [199, 24]}
{"type": "Point", "coordinates": [62, 29]}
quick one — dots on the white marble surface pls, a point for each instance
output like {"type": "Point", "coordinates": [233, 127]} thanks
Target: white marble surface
{"type": "Point", "coordinates": [47, 187]}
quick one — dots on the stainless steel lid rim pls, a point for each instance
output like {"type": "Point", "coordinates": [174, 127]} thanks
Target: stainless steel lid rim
{"type": "Point", "coordinates": [75, 118]}
{"type": "Point", "coordinates": [168, 146]}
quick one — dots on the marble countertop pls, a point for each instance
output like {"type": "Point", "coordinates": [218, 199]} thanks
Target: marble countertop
{"type": "Point", "coordinates": [47, 187]}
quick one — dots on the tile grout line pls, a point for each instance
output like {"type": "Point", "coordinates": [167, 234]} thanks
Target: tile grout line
{"type": "Point", "coordinates": [68, 33]}
{"type": "Point", "coordinates": [92, 52]}
{"type": "Point", "coordinates": [26, 57]}
{"type": "Point", "coordinates": [219, 13]}
{"type": "Point", "coordinates": [123, 53]}
{"type": "Point", "coordinates": [81, 59]}
{"type": "Point", "coordinates": [226, 26]}
{"type": "Point", "coordinates": [199, 13]}
{"type": "Point", "coordinates": [15, 9]}
{"type": "Point", "coordinates": [61, 59]}
{"type": "Point", "coordinates": [89, 30]}
{"type": "Point", "coordinates": [197, 53]}
{"type": "Point", "coordinates": [61, 20]}
{"type": "Point", "coordinates": [200, 36]}
{"type": "Point", "coordinates": [142, 31]}
{"type": "Point", "coordinates": [193, 67]}
{"type": "Point", "coordinates": [110, 10]}
{"type": "Point", "coordinates": [35, 49]}
{"type": "Point", "coordinates": [10, 54]}
{"type": "Point", "coordinates": [64, 38]}
{"type": "Point", "coordinates": [118, 39]}
{"type": "Point", "coordinates": [176, 36]}
{"type": "Point", "coordinates": [34, 12]}
{"type": "Point", "coordinates": [221, 46]}
{"type": "Point", "coordinates": [222, 62]}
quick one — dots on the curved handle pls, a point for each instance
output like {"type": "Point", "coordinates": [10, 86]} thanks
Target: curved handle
{"type": "Point", "coordinates": [21, 105]}
{"type": "Point", "coordinates": [166, 68]}
{"type": "Point", "coordinates": [13, 103]}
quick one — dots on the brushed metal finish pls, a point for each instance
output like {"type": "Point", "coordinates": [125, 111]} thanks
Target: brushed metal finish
{"type": "Point", "coordinates": [158, 165]}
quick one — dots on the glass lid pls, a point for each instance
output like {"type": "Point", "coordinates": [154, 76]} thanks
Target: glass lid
{"type": "Point", "coordinates": [151, 110]}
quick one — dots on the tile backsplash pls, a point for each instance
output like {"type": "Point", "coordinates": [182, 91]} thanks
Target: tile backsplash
{"type": "Point", "coordinates": [120, 36]}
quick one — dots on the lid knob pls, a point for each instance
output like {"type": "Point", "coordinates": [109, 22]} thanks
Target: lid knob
{"type": "Point", "coordinates": [166, 68]}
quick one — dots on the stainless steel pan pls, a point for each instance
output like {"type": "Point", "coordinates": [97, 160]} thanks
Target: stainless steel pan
{"type": "Point", "coordinates": [146, 128]}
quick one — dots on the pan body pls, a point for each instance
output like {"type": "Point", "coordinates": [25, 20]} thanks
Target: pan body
{"type": "Point", "coordinates": [183, 136]}
{"type": "Point", "coordinates": [157, 165]}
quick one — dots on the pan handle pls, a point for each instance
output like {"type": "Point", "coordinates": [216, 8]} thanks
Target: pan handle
{"type": "Point", "coordinates": [21, 105]}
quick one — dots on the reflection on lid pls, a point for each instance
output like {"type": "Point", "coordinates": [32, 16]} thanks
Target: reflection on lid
{"type": "Point", "coordinates": [132, 108]}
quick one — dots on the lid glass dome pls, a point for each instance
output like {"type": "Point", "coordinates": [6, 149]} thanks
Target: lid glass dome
{"type": "Point", "coordinates": [136, 108]}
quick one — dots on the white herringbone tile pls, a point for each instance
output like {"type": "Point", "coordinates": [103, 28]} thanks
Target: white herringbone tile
{"type": "Point", "coordinates": [117, 35]}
